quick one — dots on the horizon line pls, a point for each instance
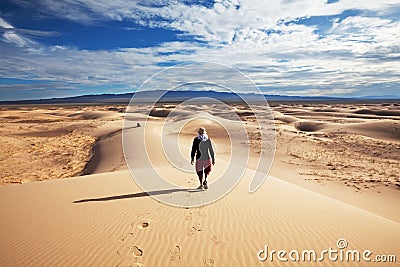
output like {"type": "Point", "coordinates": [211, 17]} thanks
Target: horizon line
{"type": "Point", "coordinates": [295, 97]}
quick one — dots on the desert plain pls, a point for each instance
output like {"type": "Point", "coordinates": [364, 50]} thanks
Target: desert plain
{"type": "Point", "coordinates": [68, 199]}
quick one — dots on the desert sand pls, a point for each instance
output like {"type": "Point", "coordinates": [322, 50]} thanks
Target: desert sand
{"type": "Point", "coordinates": [41, 143]}
{"type": "Point", "coordinates": [335, 175]}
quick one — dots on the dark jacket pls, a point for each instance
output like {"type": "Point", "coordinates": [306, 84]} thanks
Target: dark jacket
{"type": "Point", "coordinates": [202, 150]}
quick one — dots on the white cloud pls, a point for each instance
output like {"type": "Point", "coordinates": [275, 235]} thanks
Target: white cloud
{"type": "Point", "coordinates": [4, 24]}
{"type": "Point", "coordinates": [134, 65]}
{"type": "Point", "coordinates": [10, 35]}
{"type": "Point", "coordinates": [13, 37]}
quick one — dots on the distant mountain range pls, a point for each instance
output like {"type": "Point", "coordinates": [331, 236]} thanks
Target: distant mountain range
{"type": "Point", "coordinates": [178, 96]}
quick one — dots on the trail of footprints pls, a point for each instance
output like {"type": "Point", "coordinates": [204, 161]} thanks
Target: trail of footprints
{"type": "Point", "coordinates": [196, 228]}
{"type": "Point", "coordinates": [131, 254]}
{"type": "Point", "coordinates": [175, 256]}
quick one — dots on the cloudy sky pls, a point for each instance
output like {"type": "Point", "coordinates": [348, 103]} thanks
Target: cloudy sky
{"type": "Point", "coordinates": [288, 47]}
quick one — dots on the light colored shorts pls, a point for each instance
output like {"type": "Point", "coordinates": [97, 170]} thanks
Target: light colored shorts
{"type": "Point", "coordinates": [203, 164]}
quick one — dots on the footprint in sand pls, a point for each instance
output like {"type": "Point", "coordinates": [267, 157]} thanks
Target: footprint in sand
{"type": "Point", "coordinates": [189, 216]}
{"type": "Point", "coordinates": [192, 214]}
{"type": "Point", "coordinates": [143, 225]}
{"type": "Point", "coordinates": [129, 256]}
{"type": "Point", "coordinates": [217, 242]}
{"type": "Point", "coordinates": [195, 228]}
{"type": "Point", "coordinates": [175, 254]}
{"type": "Point", "coordinates": [123, 251]}
{"type": "Point", "coordinates": [136, 251]}
{"type": "Point", "coordinates": [126, 236]}
{"type": "Point", "coordinates": [208, 263]}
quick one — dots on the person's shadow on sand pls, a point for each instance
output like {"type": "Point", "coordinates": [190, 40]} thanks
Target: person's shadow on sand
{"type": "Point", "coordinates": [141, 194]}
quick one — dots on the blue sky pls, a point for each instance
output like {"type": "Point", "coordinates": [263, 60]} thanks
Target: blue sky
{"type": "Point", "coordinates": [307, 47]}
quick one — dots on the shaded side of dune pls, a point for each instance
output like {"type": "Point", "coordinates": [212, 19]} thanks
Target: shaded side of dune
{"type": "Point", "coordinates": [378, 112]}
{"type": "Point", "coordinates": [309, 126]}
{"type": "Point", "coordinates": [107, 154]}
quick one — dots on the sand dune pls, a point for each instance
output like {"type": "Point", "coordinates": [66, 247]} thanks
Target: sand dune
{"type": "Point", "coordinates": [309, 126]}
{"type": "Point", "coordinates": [326, 164]}
{"type": "Point", "coordinates": [106, 220]}
{"type": "Point", "coordinates": [381, 130]}
{"type": "Point", "coordinates": [107, 154]}
{"type": "Point", "coordinates": [378, 112]}
{"type": "Point", "coordinates": [285, 119]}
{"type": "Point", "coordinates": [53, 142]}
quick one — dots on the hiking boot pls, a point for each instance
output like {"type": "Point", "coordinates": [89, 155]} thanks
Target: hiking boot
{"type": "Point", "coordinates": [205, 186]}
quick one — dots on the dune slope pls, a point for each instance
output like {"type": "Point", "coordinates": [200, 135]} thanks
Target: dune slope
{"type": "Point", "coordinates": [106, 220]}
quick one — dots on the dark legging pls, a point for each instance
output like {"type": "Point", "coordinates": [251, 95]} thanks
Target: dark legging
{"type": "Point", "coordinates": [206, 172]}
